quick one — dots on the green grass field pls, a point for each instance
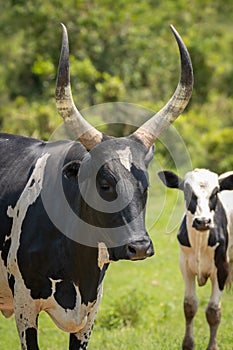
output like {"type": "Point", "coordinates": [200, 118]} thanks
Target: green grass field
{"type": "Point", "coordinates": [142, 303]}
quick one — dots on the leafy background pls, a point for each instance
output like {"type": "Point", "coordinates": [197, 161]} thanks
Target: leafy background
{"type": "Point", "coordinates": [120, 51]}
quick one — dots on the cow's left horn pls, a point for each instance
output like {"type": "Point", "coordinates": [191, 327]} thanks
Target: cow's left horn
{"type": "Point", "coordinates": [151, 129]}
{"type": "Point", "coordinates": [85, 132]}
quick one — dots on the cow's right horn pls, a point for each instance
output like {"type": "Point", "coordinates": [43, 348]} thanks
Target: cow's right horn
{"type": "Point", "coordinates": [85, 132]}
{"type": "Point", "coordinates": [151, 129]}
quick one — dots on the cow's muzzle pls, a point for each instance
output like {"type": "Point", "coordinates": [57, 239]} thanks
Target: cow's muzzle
{"type": "Point", "coordinates": [202, 224]}
{"type": "Point", "coordinates": [139, 250]}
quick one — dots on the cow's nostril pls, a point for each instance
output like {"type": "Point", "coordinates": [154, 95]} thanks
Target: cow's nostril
{"type": "Point", "coordinates": [150, 251]}
{"type": "Point", "coordinates": [131, 250]}
{"type": "Point", "coordinates": [139, 250]}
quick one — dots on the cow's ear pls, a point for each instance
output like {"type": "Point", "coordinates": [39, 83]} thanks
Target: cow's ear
{"type": "Point", "coordinates": [149, 155]}
{"type": "Point", "coordinates": [71, 169]}
{"type": "Point", "coordinates": [171, 180]}
{"type": "Point", "coordinates": [226, 181]}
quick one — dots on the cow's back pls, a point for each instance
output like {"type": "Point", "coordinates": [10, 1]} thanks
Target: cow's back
{"type": "Point", "coordinates": [17, 158]}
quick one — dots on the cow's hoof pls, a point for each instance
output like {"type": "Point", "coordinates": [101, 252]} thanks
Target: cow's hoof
{"type": "Point", "coordinates": [213, 347]}
{"type": "Point", "coordinates": [188, 343]}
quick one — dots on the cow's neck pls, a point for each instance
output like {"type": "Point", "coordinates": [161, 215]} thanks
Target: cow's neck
{"type": "Point", "coordinates": [198, 239]}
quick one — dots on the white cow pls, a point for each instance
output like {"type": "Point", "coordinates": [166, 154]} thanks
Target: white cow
{"type": "Point", "coordinates": [206, 242]}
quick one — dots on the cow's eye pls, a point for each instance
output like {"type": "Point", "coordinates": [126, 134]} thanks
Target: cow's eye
{"type": "Point", "coordinates": [106, 190]}
{"type": "Point", "coordinates": [105, 187]}
{"type": "Point", "coordinates": [106, 184]}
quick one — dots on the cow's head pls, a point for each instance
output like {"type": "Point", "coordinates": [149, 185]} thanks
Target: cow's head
{"type": "Point", "coordinates": [113, 182]}
{"type": "Point", "coordinates": [113, 177]}
{"type": "Point", "coordinates": [201, 188]}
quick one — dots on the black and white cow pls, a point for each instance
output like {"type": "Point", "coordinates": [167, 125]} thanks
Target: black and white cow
{"type": "Point", "coordinates": [68, 208]}
{"type": "Point", "coordinates": [206, 242]}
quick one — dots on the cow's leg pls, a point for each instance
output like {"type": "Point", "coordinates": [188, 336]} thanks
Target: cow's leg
{"type": "Point", "coordinates": [80, 340]}
{"type": "Point", "coordinates": [78, 343]}
{"type": "Point", "coordinates": [213, 313]}
{"type": "Point", "coordinates": [190, 304]}
{"type": "Point", "coordinates": [26, 315]}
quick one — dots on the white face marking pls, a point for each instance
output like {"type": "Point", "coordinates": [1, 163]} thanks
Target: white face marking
{"type": "Point", "coordinates": [202, 182]}
{"type": "Point", "coordinates": [125, 157]}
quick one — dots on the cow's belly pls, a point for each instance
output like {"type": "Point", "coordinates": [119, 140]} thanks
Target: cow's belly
{"type": "Point", "coordinates": [202, 264]}
{"type": "Point", "coordinates": [6, 298]}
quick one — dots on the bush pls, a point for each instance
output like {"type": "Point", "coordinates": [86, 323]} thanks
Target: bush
{"type": "Point", "coordinates": [124, 311]}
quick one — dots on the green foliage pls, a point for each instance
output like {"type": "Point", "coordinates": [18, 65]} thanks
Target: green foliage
{"type": "Point", "coordinates": [124, 310]}
{"type": "Point", "coordinates": [207, 133]}
{"type": "Point", "coordinates": [36, 120]}
{"type": "Point", "coordinates": [120, 51]}
{"type": "Point", "coordinates": [110, 89]}
{"type": "Point", "coordinates": [43, 68]}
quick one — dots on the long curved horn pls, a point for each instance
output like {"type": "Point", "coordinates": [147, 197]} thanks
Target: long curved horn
{"type": "Point", "coordinates": [85, 132]}
{"type": "Point", "coordinates": [151, 129]}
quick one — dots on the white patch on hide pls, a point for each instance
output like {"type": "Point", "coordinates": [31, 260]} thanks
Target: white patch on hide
{"type": "Point", "coordinates": [103, 255]}
{"type": "Point", "coordinates": [29, 195]}
{"type": "Point", "coordinates": [26, 309]}
{"type": "Point", "coordinates": [125, 157]}
{"type": "Point", "coordinates": [78, 320]}
{"type": "Point", "coordinates": [69, 320]}
{"type": "Point", "coordinates": [84, 334]}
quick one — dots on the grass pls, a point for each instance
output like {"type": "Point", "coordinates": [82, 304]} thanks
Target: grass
{"type": "Point", "coordinates": [142, 301]}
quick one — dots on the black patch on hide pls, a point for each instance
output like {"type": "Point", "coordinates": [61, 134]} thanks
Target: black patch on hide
{"type": "Point", "coordinates": [65, 295]}
{"type": "Point", "coordinates": [182, 235]}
